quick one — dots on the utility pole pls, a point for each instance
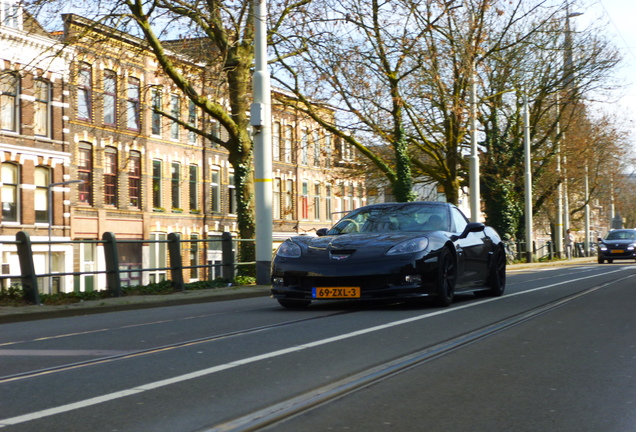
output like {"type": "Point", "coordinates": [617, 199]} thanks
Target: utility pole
{"type": "Point", "coordinates": [261, 121]}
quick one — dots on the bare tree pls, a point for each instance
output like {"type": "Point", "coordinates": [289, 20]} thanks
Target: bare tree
{"type": "Point", "coordinates": [557, 110]}
{"type": "Point", "coordinates": [360, 57]}
{"type": "Point", "coordinates": [207, 50]}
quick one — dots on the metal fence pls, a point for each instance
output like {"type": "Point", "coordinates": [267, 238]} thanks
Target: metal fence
{"type": "Point", "coordinates": [112, 271]}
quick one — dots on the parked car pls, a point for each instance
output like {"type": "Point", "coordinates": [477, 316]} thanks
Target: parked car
{"type": "Point", "coordinates": [618, 244]}
{"type": "Point", "coordinates": [391, 251]}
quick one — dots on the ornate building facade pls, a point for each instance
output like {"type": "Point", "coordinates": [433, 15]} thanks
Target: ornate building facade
{"type": "Point", "coordinates": [86, 151]}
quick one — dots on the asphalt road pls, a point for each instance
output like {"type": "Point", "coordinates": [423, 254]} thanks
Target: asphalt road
{"type": "Point", "coordinates": [556, 353]}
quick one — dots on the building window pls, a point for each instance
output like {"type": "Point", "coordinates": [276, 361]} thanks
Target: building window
{"type": "Point", "coordinates": [276, 141]}
{"type": "Point", "coordinates": [343, 201]}
{"type": "Point", "coordinates": [215, 130]}
{"type": "Point", "coordinates": [214, 257]}
{"type": "Point", "coordinates": [194, 256]}
{"type": "Point", "coordinates": [215, 190]}
{"type": "Point", "coordinates": [175, 184]}
{"type": "Point", "coordinates": [11, 14]}
{"type": "Point", "coordinates": [276, 198]}
{"type": "Point", "coordinates": [110, 176]}
{"type": "Point", "coordinates": [288, 205]}
{"type": "Point", "coordinates": [304, 200]}
{"type": "Point", "coordinates": [194, 186]}
{"type": "Point", "coordinates": [132, 104]}
{"type": "Point", "coordinates": [84, 90]}
{"type": "Point", "coordinates": [156, 183]}
{"type": "Point", "coordinates": [328, 209]}
{"type": "Point", "coordinates": [134, 179]}
{"type": "Point", "coordinates": [231, 194]}
{"type": "Point", "coordinates": [158, 257]}
{"type": "Point", "coordinates": [317, 148]}
{"type": "Point", "coordinates": [328, 145]}
{"type": "Point", "coordinates": [85, 172]}
{"type": "Point", "coordinates": [155, 95]}
{"type": "Point", "coordinates": [192, 121]}
{"type": "Point", "coordinates": [9, 87]}
{"type": "Point", "coordinates": [175, 111]}
{"type": "Point", "coordinates": [304, 147]}
{"type": "Point", "coordinates": [10, 176]}
{"type": "Point", "coordinates": [289, 135]}
{"type": "Point", "coordinates": [350, 197]}
{"type": "Point", "coordinates": [317, 201]}
{"type": "Point", "coordinates": [42, 179]}
{"type": "Point", "coordinates": [42, 108]}
{"type": "Point", "coordinates": [110, 98]}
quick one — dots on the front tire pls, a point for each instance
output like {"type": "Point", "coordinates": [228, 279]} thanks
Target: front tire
{"type": "Point", "coordinates": [600, 259]}
{"type": "Point", "coordinates": [497, 277]}
{"type": "Point", "coordinates": [446, 278]}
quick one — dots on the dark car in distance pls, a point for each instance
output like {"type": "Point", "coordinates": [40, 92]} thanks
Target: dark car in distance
{"type": "Point", "coordinates": [391, 251]}
{"type": "Point", "coordinates": [618, 244]}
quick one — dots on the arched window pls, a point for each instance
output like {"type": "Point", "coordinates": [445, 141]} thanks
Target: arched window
{"type": "Point", "coordinates": [194, 187]}
{"type": "Point", "coordinates": [193, 119]}
{"type": "Point", "coordinates": [276, 141]}
{"type": "Point", "coordinates": [134, 179]}
{"type": "Point", "coordinates": [155, 125]}
{"type": "Point", "coordinates": [110, 98]}
{"type": "Point", "coordinates": [110, 176]}
{"type": "Point", "coordinates": [133, 102]}
{"type": "Point", "coordinates": [42, 179]}
{"type": "Point", "coordinates": [157, 183]}
{"type": "Point", "coordinates": [9, 89]}
{"type": "Point", "coordinates": [175, 184]}
{"type": "Point", "coordinates": [215, 190]}
{"type": "Point", "coordinates": [84, 92]}
{"type": "Point", "coordinates": [85, 172]}
{"type": "Point", "coordinates": [10, 205]}
{"type": "Point", "coordinates": [42, 108]}
{"type": "Point", "coordinates": [175, 111]}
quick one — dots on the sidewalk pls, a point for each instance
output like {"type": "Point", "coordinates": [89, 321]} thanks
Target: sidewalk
{"type": "Point", "coordinates": [28, 313]}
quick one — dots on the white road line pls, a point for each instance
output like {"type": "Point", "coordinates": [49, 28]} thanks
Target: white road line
{"type": "Point", "coordinates": [212, 370]}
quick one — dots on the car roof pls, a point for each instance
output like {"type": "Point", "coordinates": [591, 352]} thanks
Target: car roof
{"type": "Point", "coordinates": [388, 204]}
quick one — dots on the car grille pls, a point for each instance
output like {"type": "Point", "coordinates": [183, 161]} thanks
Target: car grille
{"type": "Point", "coordinates": [367, 283]}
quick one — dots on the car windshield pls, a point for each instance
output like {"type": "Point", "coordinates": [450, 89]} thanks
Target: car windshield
{"type": "Point", "coordinates": [404, 218]}
{"type": "Point", "coordinates": [621, 235]}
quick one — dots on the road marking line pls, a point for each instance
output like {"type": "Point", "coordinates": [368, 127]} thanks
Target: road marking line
{"type": "Point", "coordinates": [212, 370]}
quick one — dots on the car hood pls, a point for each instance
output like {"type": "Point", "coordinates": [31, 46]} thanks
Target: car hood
{"type": "Point", "coordinates": [618, 242]}
{"type": "Point", "coordinates": [368, 241]}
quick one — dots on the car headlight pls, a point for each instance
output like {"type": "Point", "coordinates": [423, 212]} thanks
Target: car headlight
{"type": "Point", "coordinates": [603, 247]}
{"type": "Point", "coordinates": [409, 246]}
{"type": "Point", "coordinates": [288, 250]}
{"type": "Point", "coordinates": [630, 247]}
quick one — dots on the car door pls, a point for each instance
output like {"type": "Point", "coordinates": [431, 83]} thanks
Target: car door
{"type": "Point", "coordinates": [474, 250]}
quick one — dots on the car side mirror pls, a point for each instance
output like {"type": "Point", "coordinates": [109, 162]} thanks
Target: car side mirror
{"type": "Point", "coordinates": [598, 239]}
{"type": "Point", "coordinates": [472, 227]}
{"type": "Point", "coordinates": [321, 232]}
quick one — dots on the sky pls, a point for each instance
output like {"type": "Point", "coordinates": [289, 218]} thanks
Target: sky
{"type": "Point", "coordinates": [621, 18]}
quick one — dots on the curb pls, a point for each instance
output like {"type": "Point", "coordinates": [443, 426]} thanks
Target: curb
{"type": "Point", "coordinates": [9, 314]}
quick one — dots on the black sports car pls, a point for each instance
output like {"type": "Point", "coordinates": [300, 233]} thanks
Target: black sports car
{"type": "Point", "coordinates": [617, 244]}
{"type": "Point", "coordinates": [392, 251]}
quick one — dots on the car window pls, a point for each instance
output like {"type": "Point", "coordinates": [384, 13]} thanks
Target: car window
{"type": "Point", "coordinates": [459, 220]}
{"type": "Point", "coordinates": [392, 218]}
{"type": "Point", "coordinates": [621, 235]}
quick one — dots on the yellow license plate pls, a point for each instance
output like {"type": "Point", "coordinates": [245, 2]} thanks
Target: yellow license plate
{"type": "Point", "coordinates": [335, 292]}
{"type": "Point", "coordinates": [617, 251]}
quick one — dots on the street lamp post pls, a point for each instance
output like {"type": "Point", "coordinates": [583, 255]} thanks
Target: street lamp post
{"type": "Point", "coordinates": [475, 194]}
{"type": "Point", "coordinates": [49, 190]}
{"type": "Point", "coordinates": [527, 176]}
{"type": "Point", "coordinates": [261, 121]}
